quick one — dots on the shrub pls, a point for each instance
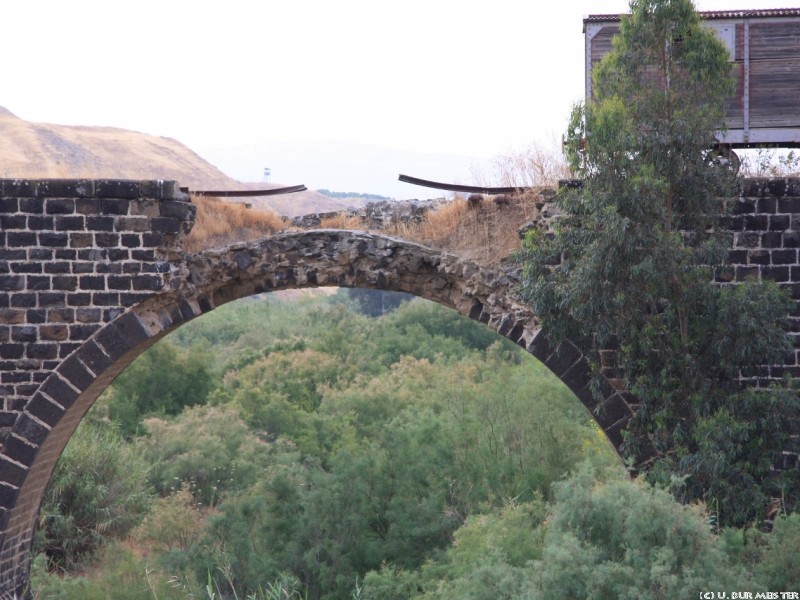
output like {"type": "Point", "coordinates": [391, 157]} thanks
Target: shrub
{"type": "Point", "coordinates": [99, 492]}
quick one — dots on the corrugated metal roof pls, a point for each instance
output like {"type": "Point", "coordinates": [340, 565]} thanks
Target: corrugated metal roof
{"type": "Point", "coordinates": [716, 14]}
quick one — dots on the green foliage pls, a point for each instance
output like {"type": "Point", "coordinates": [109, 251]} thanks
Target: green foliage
{"type": "Point", "coordinates": [162, 381]}
{"type": "Point", "coordinates": [98, 492]}
{"type": "Point", "coordinates": [426, 474]}
{"type": "Point", "coordinates": [376, 303]}
{"type": "Point", "coordinates": [779, 567]}
{"type": "Point", "coordinates": [173, 522]}
{"type": "Point", "coordinates": [209, 448]}
{"type": "Point", "coordinates": [124, 576]}
{"type": "Point", "coordinates": [632, 260]}
{"type": "Point", "coordinates": [622, 539]}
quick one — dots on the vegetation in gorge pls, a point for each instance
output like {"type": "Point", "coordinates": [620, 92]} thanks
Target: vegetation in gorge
{"type": "Point", "coordinates": [632, 260]}
{"type": "Point", "coordinates": [418, 461]}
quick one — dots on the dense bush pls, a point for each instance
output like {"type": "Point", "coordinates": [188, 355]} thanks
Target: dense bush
{"type": "Point", "coordinates": [98, 492]}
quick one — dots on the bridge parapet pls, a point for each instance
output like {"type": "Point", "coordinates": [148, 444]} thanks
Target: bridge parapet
{"type": "Point", "coordinates": [93, 272]}
{"type": "Point", "coordinates": [74, 255]}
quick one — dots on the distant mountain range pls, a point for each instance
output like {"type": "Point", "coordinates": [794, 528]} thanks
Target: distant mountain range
{"type": "Point", "coordinates": [31, 150]}
{"type": "Point", "coordinates": [46, 150]}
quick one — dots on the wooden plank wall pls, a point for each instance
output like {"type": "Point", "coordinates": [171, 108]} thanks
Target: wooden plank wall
{"type": "Point", "coordinates": [774, 72]}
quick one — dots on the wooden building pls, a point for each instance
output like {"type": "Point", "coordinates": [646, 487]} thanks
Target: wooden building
{"type": "Point", "coordinates": [764, 48]}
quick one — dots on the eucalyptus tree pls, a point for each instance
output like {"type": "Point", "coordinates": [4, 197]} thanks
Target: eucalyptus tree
{"type": "Point", "coordinates": [632, 259]}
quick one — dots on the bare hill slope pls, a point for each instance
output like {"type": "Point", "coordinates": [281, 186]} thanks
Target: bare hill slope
{"type": "Point", "coordinates": [29, 150]}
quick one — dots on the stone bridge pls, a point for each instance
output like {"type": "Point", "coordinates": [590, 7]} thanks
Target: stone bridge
{"type": "Point", "coordinates": [92, 273]}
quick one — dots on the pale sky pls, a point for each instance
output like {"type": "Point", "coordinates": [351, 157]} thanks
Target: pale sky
{"type": "Point", "coordinates": [436, 76]}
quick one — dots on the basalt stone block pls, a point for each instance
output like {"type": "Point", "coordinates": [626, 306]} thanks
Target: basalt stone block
{"type": "Point", "coordinates": [789, 205]}
{"type": "Point", "coordinates": [770, 239]}
{"type": "Point", "coordinates": [119, 283]}
{"type": "Point", "coordinates": [118, 254]}
{"type": "Point", "coordinates": [31, 430]}
{"type": "Point", "coordinates": [43, 351]}
{"type": "Point", "coordinates": [57, 268]}
{"type": "Point", "coordinates": [791, 239]}
{"type": "Point", "coordinates": [540, 347]}
{"type": "Point", "coordinates": [779, 222]}
{"type": "Point", "coordinates": [19, 450]}
{"type": "Point", "coordinates": [60, 206]}
{"type": "Point", "coordinates": [44, 410]}
{"type": "Point", "coordinates": [578, 376]}
{"type": "Point", "coordinates": [17, 239]}
{"type": "Point", "coordinates": [152, 240]}
{"type": "Point", "coordinates": [82, 331]}
{"type": "Point", "coordinates": [757, 257]}
{"type": "Point", "coordinates": [614, 434]}
{"type": "Point", "coordinates": [784, 257]}
{"type": "Point", "coordinates": [76, 373]}
{"type": "Point", "coordinates": [103, 223]}
{"type": "Point", "coordinates": [32, 267]}
{"type": "Point", "coordinates": [774, 273]}
{"type": "Point", "coordinates": [80, 299]}
{"type": "Point", "coordinates": [116, 190]}
{"type": "Point", "coordinates": [131, 240]}
{"type": "Point", "coordinates": [20, 187]}
{"type": "Point", "coordinates": [105, 299]}
{"type": "Point", "coordinates": [122, 335]}
{"type": "Point", "coordinates": [63, 188]}
{"type": "Point", "coordinates": [147, 282]}
{"type": "Point", "coordinates": [12, 473]}
{"type": "Point", "coordinates": [40, 223]}
{"type": "Point", "coordinates": [563, 358]}
{"type": "Point", "coordinates": [88, 206]}
{"type": "Point", "coordinates": [756, 222]}
{"type": "Point", "coordinates": [166, 225]}
{"type": "Point", "coordinates": [57, 389]}
{"type": "Point", "coordinates": [13, 222]}
{"type": "Point", "coordinates": [23, 300]}
{"type": "Point", "coordinates": [744, 206]}
{"type": "Point", "coordinates": [776, 187]}
{"type": "Point", "coordinates": [70, 223]}
{"type": "Point", "coordinates": [91, 355]}
{"type": "Point", "coordinates": [105, 240]}
{"type": "Point", "coordinates": [179, 210]}
{"type": "Point", "coordinates": [10, 283]}
{"type": "Point", "coordinates": [9, 205]}
{"type": "Point", "coordinates": [8, 497]}
{"type": "Point", "coordinates": [138, 224]}
{"type": "Point", "coordinates": [24, 333]}
{"type": "Point", "coordinates": [767, 205]}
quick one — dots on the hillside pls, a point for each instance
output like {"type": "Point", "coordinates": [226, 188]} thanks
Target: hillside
{"type": "Point", "coordinates": [47, 150]}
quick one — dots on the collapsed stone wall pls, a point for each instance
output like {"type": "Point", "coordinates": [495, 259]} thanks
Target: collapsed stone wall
{"type": "Point", "coordinates": [377, 215]}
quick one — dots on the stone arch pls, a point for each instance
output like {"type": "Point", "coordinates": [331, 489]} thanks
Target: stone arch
{"type": "Point", "coordinates": [209, 279]}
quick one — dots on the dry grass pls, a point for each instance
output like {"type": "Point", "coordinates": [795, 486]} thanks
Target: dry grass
{"type": "Point", "coordinates": [221, 223]}
{"type": "Point", "coordinates": [486, 234]}
{"type": "Point", "coordinates": [341, 221]}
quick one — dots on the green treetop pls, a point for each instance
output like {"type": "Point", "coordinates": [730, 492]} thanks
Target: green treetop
{"type": "Point", "coordinates": [631, 262]}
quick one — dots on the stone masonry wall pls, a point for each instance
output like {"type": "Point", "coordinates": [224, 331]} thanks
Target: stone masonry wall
{"type": "Point", "coordinates": [75, 254]}
{"type": "Point", "coordinates": [765, 241]}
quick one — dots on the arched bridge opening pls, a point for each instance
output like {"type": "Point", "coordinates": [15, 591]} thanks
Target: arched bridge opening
{"type": "Point", "coordinates": [93, 275]}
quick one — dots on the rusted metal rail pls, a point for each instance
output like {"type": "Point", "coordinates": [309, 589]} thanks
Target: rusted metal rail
{"type": "Point", "coordinates": [468, 189]}
{"type": "Point", "coordinates": [245, 193]}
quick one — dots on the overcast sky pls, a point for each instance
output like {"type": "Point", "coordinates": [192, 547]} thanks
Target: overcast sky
{"type": "Point", "coordinates": [441, 76]}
